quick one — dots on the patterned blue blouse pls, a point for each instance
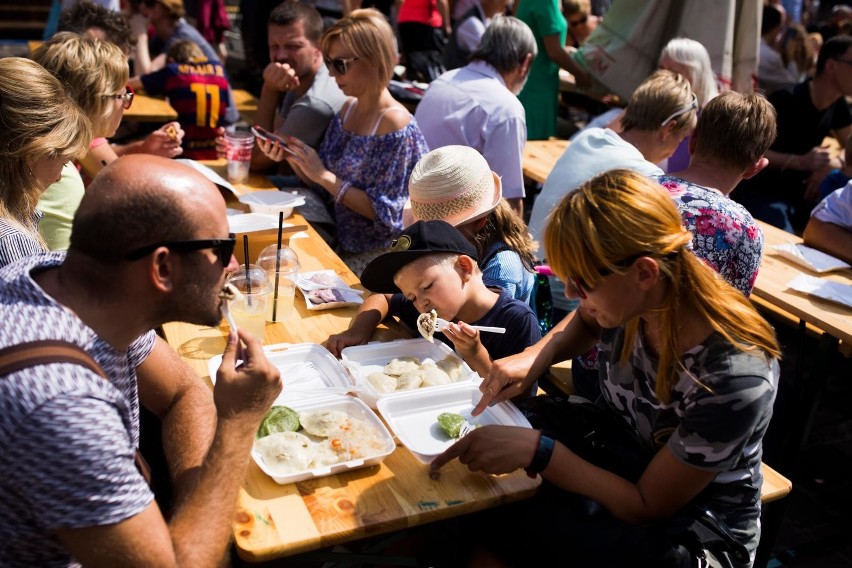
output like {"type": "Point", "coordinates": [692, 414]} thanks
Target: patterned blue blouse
{"type": "Point", "coordinates": [381, 166]}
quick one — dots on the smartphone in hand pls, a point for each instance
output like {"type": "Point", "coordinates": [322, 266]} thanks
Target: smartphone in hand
{"type": "Point", "coordinates": [264, 134]}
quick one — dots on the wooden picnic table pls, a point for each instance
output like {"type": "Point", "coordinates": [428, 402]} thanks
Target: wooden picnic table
{"type": "Point", "coordinates": [146, 108]}
{"type": "Point", "coordinates": [540, 157]}
{"type": "Point", "coordinates": [274, 520]}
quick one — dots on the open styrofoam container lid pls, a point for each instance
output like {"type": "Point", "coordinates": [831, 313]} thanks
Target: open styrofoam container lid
{"type": "Point", "coordinates": [362, 360]}
{"type": "Point", "coordinates": [354, 408]}
{"type": "Point", "coordinates": [413, 416]}
{"type": "Point", "coordinates": [307, 370]}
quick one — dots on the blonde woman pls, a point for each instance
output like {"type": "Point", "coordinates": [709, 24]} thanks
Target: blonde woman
{"type": "Point", "coordinates": [687, 365]}
{"type": "Point", "coordinates": [43, 128]}
{"type": "Point", "coordinates": [370, 148]}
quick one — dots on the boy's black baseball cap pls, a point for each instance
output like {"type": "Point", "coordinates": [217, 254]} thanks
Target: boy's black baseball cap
{"type": "Point", "coordinates": [420, 239]}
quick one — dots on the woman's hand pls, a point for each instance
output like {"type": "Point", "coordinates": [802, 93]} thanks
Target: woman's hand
{"type": "Point", "coordinates": [272, 150]}
{"type": "Point", "coordinates": [165, 141]}
{"type": "Point", "coordinates": [305, 159]}
{"type": "Point", "coordinates": [493, 449]}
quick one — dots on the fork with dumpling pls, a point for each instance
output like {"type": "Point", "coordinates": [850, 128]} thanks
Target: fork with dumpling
{"type": "Point", "coordinates": [429, 322]}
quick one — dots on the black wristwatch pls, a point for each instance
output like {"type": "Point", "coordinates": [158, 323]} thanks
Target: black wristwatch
{"type": "Point", "coordinates": [542, 455]}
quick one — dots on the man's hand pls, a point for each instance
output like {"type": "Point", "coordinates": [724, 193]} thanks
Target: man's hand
{"type": "Point", "coordinates": [815, 159]}
{"type": "Point", "coordinates": [493, 449]}
{"type": "Point", "coordinates": [165, 141]}
{"type": "Point", "coordinates": [250, 387]}
{"type": "Point", "coordinates": [280, 76]}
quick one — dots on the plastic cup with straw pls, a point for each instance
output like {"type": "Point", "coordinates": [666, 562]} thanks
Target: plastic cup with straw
{"type": "Point", "coordinates": [248, 272]}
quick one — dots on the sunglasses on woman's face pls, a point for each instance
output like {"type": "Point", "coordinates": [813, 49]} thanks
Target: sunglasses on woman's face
{"type": "Point", "coordinates": [339, 64]}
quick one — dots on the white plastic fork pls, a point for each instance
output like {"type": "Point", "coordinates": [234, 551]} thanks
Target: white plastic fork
{"type": "Point", "coordinates": [441, 323]}
{"type": "Point", "coordinates": [306, 284]}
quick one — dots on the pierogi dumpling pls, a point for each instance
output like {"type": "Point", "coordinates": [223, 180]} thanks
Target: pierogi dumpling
{"type": "Point", "coordinates": [435, 376]}
{"type": "Point", "coordinates": [324, 423]}
{"type": "Point", "coordinates": [400, 365]}
{"type": "Point", "coordinates": [409, 380]}
{"type": "Point", "coordinates": [286, 452]}
{"type": "Point", "coordinates": [452, 367]}
{"type": "Point", "coordinates": [382, 383]}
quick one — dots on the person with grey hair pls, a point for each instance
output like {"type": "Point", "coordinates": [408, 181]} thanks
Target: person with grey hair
{"type": "Point", "coordinates": [477, 105]}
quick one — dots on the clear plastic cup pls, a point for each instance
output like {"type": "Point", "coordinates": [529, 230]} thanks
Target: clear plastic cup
{"type": "Point", "coordinates": [280, 306]}
{"type": "Point", "coordinates": [249, 312]}
{"type": "Point", "coordinates": [239, 142]}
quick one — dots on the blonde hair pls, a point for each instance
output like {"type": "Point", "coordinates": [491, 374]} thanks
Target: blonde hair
{"type": "Point", "coordinates": [38, 120]}
{"type": "Point", "coordinates": [185, 51]}
{"type": "Point", "coordinates": [369, 36]}
{"type": "Point", "coordinates": [621, 215]}
{"type": "Point", "coordinates": [90, 68]}
{"type": "Point", "coordinates": [504, 226]}
{"type": "Point", "coordinates": [658, 97]}
{"type": "Point", "coordinates": [571, 7]}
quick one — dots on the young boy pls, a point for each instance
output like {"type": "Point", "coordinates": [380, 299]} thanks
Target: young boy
{"type": "Point", "coordinates": [198, 90]}
{"type": "Point", "coordinates": [432, 266]}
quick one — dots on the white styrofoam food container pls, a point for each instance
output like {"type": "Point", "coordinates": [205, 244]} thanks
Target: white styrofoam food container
{"type": "Point", "coordinates": [272, 201]}
{"type": "Point", "coordinates": [413, 416]}
{"type": "Point", "coordinates": [362, 360]}
{"type": "Point", "coordinates": [307, 370]}
{"type": "Point", "coordinates": [314, 380]}
{"type": "Point", "coordinates": [354, 408]}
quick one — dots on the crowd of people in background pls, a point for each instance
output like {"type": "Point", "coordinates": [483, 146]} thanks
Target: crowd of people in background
{"type": "Point", "coordinates": [648, 222]}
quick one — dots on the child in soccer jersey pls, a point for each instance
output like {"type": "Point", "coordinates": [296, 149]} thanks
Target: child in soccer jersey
{"type": "Point", "coordinates": [432, 266]}
{"type": "Point", "coordinates": [198, 89]}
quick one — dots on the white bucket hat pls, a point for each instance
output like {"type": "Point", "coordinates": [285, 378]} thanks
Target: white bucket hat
{"type": "Point", "coordinates": [453, 184]}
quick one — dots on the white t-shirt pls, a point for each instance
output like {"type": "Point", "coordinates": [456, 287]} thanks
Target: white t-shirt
{"type": "Point", "coordinates": [836, 208]}
{"type": "Point", "coordinates": [594, 151]}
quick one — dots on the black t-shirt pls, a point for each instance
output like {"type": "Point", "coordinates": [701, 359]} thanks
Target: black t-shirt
{"type": "Point", "coordinates": [517, 317]}
{"type": "Point", "coordinates": [801, 126]}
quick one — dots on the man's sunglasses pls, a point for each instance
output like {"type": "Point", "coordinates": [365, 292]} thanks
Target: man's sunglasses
{"type": "Point", "coordinates": [340, 64]}
{"type": "Point", "coordinates": [224, 248]}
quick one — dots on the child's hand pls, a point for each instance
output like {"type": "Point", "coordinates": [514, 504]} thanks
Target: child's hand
{"type": "Point", "coordinates": [466, 341]}
{"type": "Point", "coordinates": [272, 150]}
{"type": "Point", "coordinates": [165, 141]}
{"type": "Point", "coordinates": [221, 145]}
{"type": "Point", "coordinates": [338, 341]}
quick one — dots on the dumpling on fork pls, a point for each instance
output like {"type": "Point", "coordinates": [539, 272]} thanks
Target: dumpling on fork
{"type": "Point", "coordinates": [427, 323]}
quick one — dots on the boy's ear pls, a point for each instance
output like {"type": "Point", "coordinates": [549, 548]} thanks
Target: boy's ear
{"type": "Point", "coordinates": [466, 266]}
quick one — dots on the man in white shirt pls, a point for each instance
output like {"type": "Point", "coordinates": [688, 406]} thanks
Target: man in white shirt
{"type": "Point", "coordinates": [830, 227]}
{"type": "Point", "coordinates": [477, 105]}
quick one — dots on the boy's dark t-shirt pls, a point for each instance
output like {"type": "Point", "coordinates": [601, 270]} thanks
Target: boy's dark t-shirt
{"type": "Point", "coordinates": [517, 317]}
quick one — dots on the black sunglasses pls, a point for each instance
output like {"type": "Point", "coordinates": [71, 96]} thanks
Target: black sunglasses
{"type": "Point", "coordinates": [340, 64]}
{"type": "Point", "coordinates": [224, 248]}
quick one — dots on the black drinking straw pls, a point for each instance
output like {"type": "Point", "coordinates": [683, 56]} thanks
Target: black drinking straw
{"type": "Point", "coordinates": [248, 272]}
{"type": "Point", "coordinates": [277, 266]}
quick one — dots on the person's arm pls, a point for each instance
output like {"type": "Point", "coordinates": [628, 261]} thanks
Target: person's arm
{"type": "Point", "coordinates": [514, 375]}
{"type": "Point", "coordinates": [141, 56]}
{"type": "Point", "coordinates": [278, 78]}
{"type": "Point", "coordinates": [830, 238]}
{"type": "Point", "coordinates": [561, 55]}
{"type": "Point", "coordinates": [666, 485]}
{"type": "Point", "coordinates": [370, 314]}
{"type": "Point", "coordinates": [170, 389]}
{"type": "Point", "coordinates": [815, 159]}
{"type": "Point", "coordinates": [165, 142]}
{"type": "Point", "coordinates": [444, 9]}
{"type": "Point", "coordinates": [199, 530]}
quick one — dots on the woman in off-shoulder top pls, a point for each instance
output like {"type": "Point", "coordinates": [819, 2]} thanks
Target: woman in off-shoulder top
{"type": "Point", "coordinates": [370, 148]}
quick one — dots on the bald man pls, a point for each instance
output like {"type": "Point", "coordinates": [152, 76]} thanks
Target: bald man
{"type": "Point", "coordinates": [149, 245]}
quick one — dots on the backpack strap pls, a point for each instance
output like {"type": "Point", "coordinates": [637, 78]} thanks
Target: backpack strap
{"type": "Point", "coordinates": [32, 353]}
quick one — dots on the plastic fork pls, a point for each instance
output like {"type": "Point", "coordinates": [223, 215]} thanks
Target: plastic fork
{"type": "Point", "coordinates": [306, 284]}
{"type": "Point", "coordinates": [441, 323]}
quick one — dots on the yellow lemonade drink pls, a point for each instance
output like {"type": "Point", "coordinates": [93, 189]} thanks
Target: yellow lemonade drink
{"type": "Point", "coordinates": [251, 318]}
{"type": "Point", "coordinates": [286, 298]}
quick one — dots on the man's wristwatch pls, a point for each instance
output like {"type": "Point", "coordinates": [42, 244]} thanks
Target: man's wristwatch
{"type": "Point", "coordinates": [542, 455]}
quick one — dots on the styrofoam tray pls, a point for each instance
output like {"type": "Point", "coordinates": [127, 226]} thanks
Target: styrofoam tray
{"type": "Point", "coordinates": [413, 416]}
{"type": "Point", "coordinates": [272, 201]}
{"type": "Point", "coordinates": [355, 409]}
{"type": "Point", "coordinates": [362, 360]}
{"type": "Point", "coordinates": [307, 370]}
{"type": "Point", "coordinates": [251, 222]}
